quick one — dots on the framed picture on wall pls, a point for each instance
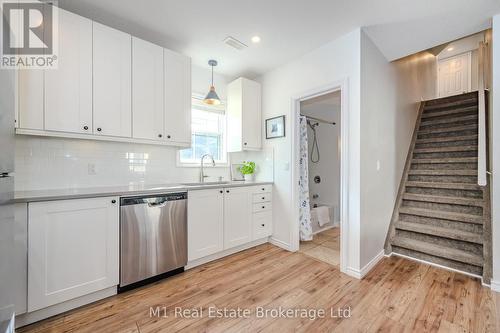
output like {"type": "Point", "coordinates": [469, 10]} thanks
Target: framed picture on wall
{"type": "Point", "coordinates": [275, 127]}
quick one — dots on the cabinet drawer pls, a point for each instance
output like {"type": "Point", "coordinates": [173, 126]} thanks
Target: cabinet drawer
{"type": "Point", "coordinates": [262, 207]}
{"type": "Point", "coordinates": [264, 197]}
{"type": "Point", "coordinates": [262, 189]}
{"type": "Point", "coordinates": [262, 225]}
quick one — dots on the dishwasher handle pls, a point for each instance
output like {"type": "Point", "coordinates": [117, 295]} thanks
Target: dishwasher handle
{"type": "Point", "coordinates": [157, 204]}
{"type": "Point", "coordinates": [154, 200]}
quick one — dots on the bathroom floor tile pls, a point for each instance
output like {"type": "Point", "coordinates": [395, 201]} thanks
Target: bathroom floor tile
{"type": "Point", "coordinates": [332, 244]}
{"type": "Point", "coordinates": [324, 254]}
{"type": "Point", "coordinates": [304, 246]}
{"type": "Point", "coordinates": [321, 238]}
{"type": "Point", "coordinates": [332, 232]}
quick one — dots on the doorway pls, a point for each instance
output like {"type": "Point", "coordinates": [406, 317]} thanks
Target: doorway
{"type": "Point", "coordinates": [321, 116]}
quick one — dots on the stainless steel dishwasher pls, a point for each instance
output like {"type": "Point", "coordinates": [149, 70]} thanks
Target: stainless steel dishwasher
{"type": "Point", "coordinates": [153, 237]}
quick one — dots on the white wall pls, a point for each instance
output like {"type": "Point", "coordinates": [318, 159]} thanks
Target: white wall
{"type": "Point", "coordinates": [390, 99]}
{"type": "Point", "coordinates": [383, 100]}
{"type": "Point", "coordinates": [48, 163]}
{"type": "Point", "coordinates": [495, 147]}
{"type": "Point", "coordinates": [386, 128]}
{"type": "Point", "coordinates": [337, 60]}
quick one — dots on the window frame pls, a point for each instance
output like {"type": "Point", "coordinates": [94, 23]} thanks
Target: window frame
{"type": "Point", "coordinates": [218, 163]}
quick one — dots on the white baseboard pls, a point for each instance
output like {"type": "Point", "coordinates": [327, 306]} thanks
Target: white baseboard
{"type": "Point", "coordinates": [281, 244]}
{"type": "Point", "coordinates": [495, 286]}
{"type": "Point", "coordinates": [225, 253]}
{"type": "Point", "coordinates": [352, 272]}
{"type": "Point", "coordinates": [361, 273]}
{"type": "Point", "coordinates": [32, 317]}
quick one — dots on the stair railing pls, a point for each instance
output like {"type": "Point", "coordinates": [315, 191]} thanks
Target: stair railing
{"type": "Point", "coordinates": [482, 172]}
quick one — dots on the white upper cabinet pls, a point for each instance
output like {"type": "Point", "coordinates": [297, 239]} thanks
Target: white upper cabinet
{"type": "Point", "coordinates": [108, 86]}
{"type": "Point", "coordinates": [147, 90]}
{"type": "Point", "coordinates": [244, 115]}
{"type": "Point", "coordinates": [177, 98]}
{"type": "Point", "coordinates": [30, 99]}
{"type": "Point", "coordinates": [68, 89]}
{"type": "Point", "coordinates": [112, 87]}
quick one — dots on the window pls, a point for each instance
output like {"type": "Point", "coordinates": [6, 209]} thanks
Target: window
{"type": "Point", "coordinates": [207, 135]}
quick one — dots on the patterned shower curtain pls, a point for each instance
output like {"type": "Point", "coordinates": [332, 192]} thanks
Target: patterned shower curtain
{"type": "Point", "coordinates": [305, 207]}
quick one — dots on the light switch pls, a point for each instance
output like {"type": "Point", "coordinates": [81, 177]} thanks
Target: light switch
{"type": "Point", "coordinates": [378, 165]}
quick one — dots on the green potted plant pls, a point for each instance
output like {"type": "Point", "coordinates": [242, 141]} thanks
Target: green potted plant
{"type": "Point", "coordinates": [248, 171]}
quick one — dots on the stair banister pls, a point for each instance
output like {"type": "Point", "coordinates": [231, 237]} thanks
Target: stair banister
{"type": "Point", "coordinates": [482, 174]}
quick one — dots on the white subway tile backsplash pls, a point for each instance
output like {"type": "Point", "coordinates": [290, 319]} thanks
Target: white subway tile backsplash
{"type": "Point", "coordinates": [53, 163]}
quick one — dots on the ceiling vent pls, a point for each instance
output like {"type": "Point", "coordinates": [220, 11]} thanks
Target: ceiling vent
{"type": "Point", "coordinates": [234, 43]}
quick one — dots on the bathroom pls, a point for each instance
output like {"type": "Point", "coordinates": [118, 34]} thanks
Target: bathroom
{"type": "Point", "coordinates": [321, 118]}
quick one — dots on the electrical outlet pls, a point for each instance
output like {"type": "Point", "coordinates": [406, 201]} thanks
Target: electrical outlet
{"type": "Point", "coordinates": [91, 169]}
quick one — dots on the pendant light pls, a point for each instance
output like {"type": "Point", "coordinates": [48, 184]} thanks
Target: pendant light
{"type": "Point", "coordinates": [212, 97]}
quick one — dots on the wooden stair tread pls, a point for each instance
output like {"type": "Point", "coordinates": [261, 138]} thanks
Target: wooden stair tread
{"type": "Point", "coordinates": [439, 251]}
{"type": "Point", "coordinates": [457, 103]}
{"type": "Point", "coordinates": [448, 139]}
{"type": "Point", "coordinates": [448, 129]}
{"type": "Point", "coordinates": [452, 216]}
{"type": "Point", "coordinates": [446, 149]}
{"type": "Point", "coordinates": [449, 160]}
{"type": "Point", "coordinates": [443, 172]}
{"type": "Point", "coordinates": [449, 112]}
{"type": "Point", "coordinates": [451, 186]}
{"type": "Point", "coordinates": [456, 234]}
{"type": "Point", "coordinates": [443, 199]}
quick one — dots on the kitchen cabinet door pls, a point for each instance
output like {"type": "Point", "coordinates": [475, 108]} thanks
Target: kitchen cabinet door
{"type": "Point", "coordinates": [72, 249]}
{"type": "Point", "coordinates": [68, 89]}
{"type": "Point", "coordinates": [30, 99]}
{"type": "Point", "coordinates": [147, 90]}
{"type": "Point", "coordinates": [112, 58]}
{"type": "Point", "coordinates": [252, 115]}
{"type": "Point", "coordinates": [244, 115]}
{"type": "Point", "coordinates": [177, 98]}
{"type": "Point", "coordinates": [205, 223]}
{"type": "Point", "coordinates": [237, 217]}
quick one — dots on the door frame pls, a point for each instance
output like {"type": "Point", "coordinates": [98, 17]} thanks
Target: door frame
{"type": "Point", "coordinates": [342, 86]}
{"type": "Point", "coordinates": [469, 71]}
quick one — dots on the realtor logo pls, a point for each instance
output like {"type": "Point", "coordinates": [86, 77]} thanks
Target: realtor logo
{"type": "Point", "coordinates": [28, 38]}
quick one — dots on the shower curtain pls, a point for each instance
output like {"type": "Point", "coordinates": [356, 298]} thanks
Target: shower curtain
{"type": "Point", "coordinates": [305, 207]}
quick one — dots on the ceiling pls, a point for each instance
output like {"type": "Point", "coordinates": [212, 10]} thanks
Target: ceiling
{"type": "Point", "coordinates": [326, 107]}
{"type": "Point", "coordinates": [288, 28]}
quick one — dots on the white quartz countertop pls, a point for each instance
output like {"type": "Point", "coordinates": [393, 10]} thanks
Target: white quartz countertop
{"type": "Point", "coordinates": [122, 191]}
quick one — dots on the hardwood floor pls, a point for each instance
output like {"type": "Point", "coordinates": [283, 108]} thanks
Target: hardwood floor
{"type": "Point", "coordinates": [397, 296]}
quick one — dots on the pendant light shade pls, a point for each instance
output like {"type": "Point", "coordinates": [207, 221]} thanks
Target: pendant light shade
{"type": "Point", "coordinates": [212, 97]}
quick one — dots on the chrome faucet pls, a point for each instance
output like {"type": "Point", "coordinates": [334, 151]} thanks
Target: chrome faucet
{"type": "Point", "coordinates": [202, 171]}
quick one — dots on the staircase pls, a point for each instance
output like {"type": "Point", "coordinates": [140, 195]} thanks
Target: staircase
{"type": "Point", "coordinates": [441, 215]}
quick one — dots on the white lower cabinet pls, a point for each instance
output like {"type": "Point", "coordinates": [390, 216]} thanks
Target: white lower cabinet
{"type": "Point", "coordinates": [73, 249]}
{"type": "Point", "coordinates": [237, 216]}
{"type": "Point", "coordinates": [205, 223]}
{"type": "Point", "coordinates": [262, 224]}
{"type": "Point", "coordinates": [223, 219]}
